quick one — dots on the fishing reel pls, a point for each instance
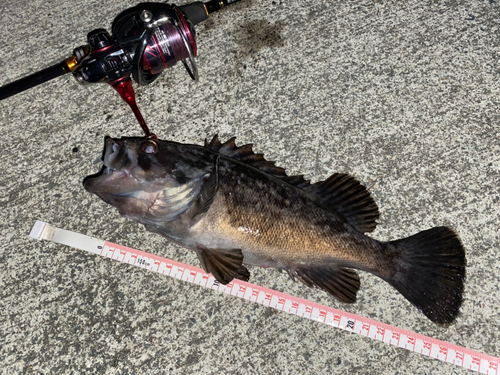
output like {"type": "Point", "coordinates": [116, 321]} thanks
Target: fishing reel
{"type": "Point", "coordinates": [144, 41]}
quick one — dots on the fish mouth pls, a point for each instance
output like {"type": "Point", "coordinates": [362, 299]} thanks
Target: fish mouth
{"type": "Point", "coordinates": [115, 169]}
{"type": "Point", "coordinates": [112, 150]}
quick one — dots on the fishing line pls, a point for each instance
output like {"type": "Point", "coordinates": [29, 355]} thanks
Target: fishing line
{"type": "Point", "coordinates": [386, 333]}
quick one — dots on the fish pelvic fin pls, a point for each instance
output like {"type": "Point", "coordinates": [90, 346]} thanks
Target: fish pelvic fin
{"type": "Point", "coordinates": [341, 283]}
{"type": "Point", "coordinates": [224, 264]}
{"type": "Point", "coordinates": [430, 272]}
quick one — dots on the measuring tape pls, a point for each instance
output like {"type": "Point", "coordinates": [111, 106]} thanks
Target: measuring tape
{"type": "Point", "coordinates": [414, 342]}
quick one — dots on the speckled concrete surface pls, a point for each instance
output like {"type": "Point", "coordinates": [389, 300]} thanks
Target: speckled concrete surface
{"type": "Point", "coordinates": [403, 95]}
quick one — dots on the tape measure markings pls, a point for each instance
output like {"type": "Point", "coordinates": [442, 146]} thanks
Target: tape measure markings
{"type": "Point", "coordinates": [386, 333]}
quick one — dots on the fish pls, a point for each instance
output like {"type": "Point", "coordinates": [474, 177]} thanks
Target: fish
{"type": "Point", "coordinates": [235, 209]}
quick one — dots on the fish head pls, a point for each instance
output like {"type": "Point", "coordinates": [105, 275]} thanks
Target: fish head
{"type": "Point", "coordinates": [150, 180]}
{"type": "Point", "coordinates": [135, 170]}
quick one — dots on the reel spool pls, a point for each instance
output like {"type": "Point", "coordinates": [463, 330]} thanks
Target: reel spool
{"type": "Point", "coordinates": [171, 42]}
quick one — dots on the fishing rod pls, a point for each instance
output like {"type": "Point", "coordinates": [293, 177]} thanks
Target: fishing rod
{"type": "Point", "coordinates": [144, 41]}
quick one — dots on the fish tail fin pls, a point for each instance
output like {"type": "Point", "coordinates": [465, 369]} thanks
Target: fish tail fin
{"type": "Point", "coordinates": [430, 272]}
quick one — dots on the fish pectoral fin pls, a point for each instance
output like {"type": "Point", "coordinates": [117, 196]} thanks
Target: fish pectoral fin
{"type": "Point", "coordinates": [224, 264]}
{"type": "Point", "coordinates": [341, 283]}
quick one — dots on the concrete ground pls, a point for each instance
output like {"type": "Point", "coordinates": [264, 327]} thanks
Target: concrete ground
{"type": "Point", "coordinates": [404, 96]}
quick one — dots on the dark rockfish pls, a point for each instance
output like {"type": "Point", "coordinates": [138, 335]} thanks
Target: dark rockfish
{"type": "Point", "coordinates": [232, 207]}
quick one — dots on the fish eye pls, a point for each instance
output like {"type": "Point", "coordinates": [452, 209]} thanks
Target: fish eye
{"type": "Point", "coordinates": [149, 147]}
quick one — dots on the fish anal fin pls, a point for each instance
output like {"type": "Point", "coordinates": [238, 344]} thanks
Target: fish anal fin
{"type": "Point", "coordinates": [224, 264]}
{"type": "Point", "coordinates": [341, 283]}
{"type": "Point", "coordinates": [346, 196]}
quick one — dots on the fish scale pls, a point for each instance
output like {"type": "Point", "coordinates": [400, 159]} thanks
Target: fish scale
{"type": "Point", "coordinates": [290, 227]}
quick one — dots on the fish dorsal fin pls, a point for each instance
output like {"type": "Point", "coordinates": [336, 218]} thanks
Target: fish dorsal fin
{"type": "Point", "coordinates": [348, 197]}
{"type": "Point", "coordinates": [246, 155]}
{"type": "Point", "coordinates": [340, 192]}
